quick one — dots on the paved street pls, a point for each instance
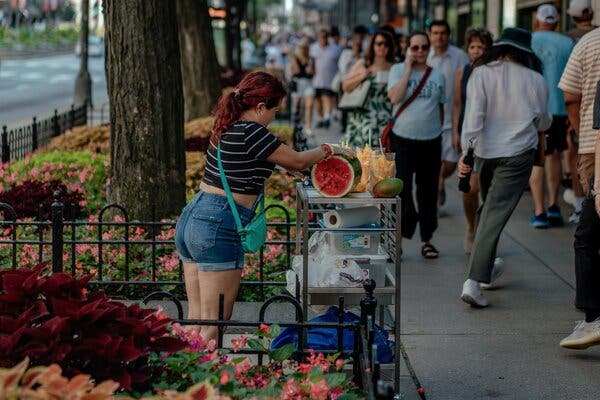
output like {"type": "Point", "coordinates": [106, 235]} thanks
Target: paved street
{"type": "Point", "coordinates": [509, 350]}
{"type": "Point", "coordinates": [37, 86]}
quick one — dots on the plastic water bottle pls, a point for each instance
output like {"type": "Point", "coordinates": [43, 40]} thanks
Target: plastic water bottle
{"type": "Point", "coordinates": [464, 183]}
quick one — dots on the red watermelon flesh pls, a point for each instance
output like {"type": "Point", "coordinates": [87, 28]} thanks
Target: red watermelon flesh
{"type": "Point", "coordinates": [336, 176]}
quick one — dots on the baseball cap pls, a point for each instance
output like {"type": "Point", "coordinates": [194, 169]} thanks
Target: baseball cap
{"type": "Point", "coordinates": [547, 13]}
{"type": "Point", "coordinates": [578, 7]}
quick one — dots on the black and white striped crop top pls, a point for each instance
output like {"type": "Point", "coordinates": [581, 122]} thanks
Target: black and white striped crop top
{"type": "Point", "coordinates": [245, 145]}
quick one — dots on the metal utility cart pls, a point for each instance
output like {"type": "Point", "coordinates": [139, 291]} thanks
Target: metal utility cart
{"type": "Point", "coordinates": [387, 292]}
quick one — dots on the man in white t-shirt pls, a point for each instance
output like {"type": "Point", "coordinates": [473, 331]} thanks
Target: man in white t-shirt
{"type": "Point", "coordinates": [325, 56]}
{"type": "Point", "coordinates": [447, 59]}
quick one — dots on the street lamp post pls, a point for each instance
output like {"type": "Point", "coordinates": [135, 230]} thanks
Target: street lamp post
{"type": "Point", "coordinates": [83, 83]}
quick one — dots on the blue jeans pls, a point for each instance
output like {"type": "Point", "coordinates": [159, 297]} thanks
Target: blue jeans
{"type": "Point", "coordinates": [206, 233]}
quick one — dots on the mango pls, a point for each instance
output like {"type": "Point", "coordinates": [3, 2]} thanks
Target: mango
{"type": "Point", "coordinates": [388, 187]}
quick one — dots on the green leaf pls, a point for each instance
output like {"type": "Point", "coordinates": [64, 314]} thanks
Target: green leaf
{"type": "Point", "coordinates": [254, 344]}
{"type": "Point", "coordinates": [275, 331]}
{"type": "Point", "coordinates": [282, 353]}
{"type": "Point", "coordinates": [336, 379]}
{"type": "Point", "coordinates": [348, 396]}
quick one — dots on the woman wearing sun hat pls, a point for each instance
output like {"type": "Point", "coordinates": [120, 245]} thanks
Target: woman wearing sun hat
{"type": "Point", "coordinates": [505, 111]}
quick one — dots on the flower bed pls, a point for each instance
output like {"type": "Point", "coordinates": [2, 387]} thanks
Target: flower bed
{"type": "Point", "coordinates": [78, 163]}
{"type": "Point", "coordinates": [86, 338]}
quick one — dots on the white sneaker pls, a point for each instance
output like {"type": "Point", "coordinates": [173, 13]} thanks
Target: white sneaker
{"type": "Point", "coordinates": [574, 218]}
{"type": "Point", "coordinates": [471, 294]}
{"type": "Point", "coordinates": [584, 335]}
{"type": "Point", "coordinates": [497, 271]}
{"type": "Point", "coordinates": [569, 197]}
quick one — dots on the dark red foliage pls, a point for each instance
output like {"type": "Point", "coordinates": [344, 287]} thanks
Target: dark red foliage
{"type": "Point", "coordinates": [26, 197]}
{"type": "Point", "coordinates": [197, 143]}
{"type": "Point", "coordinates": [50, 319]}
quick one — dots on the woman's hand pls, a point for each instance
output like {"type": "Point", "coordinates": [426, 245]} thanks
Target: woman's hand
{"type": "Point", "coordinates": [337, 149]}
{"type": "Point", "coordinates": [597, 203]}
{"type": "Point", "coordinates": [408, 63]}
{"type": "Point", "coordinates": [463, 169]}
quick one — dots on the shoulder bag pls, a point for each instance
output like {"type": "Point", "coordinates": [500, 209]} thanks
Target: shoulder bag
{"type": "Point", "coordinates": [386, 134]}
{"type": "Point", "coordinates": [254, 234]}
{"type": "Point", "coordinates": [355, 99]}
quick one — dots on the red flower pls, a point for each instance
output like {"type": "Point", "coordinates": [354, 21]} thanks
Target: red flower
{"type": "Point", "coordinates": [319, 390]}
{"type": "Point", "coordinates": [264, 329]}
{"type": "Point", "coordinates": [225, 376]}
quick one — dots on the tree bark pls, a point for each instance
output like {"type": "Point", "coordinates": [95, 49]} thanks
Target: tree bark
{"type": "Point", "coordinates": [199, 65]}
{"type": "Point", "coordinates": [146, 108]}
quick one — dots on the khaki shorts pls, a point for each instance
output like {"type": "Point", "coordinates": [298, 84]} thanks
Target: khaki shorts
{"type": "Point", "coordinates": [585, 170]}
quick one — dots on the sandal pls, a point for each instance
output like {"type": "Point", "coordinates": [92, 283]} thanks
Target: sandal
{"type": "Point", "coordinates": [429, 251]}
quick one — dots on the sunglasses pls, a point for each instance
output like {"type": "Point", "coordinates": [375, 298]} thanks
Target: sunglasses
{"type": "Point", "coordinates": [423, 47]}
{"type": "Point", "coordinates": [380, 44]}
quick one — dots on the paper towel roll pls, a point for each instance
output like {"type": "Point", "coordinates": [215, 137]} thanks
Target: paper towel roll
{"type": "Point", "coordinates": [351, 217]}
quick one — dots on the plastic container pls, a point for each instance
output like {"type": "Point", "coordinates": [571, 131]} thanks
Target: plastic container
{"type": "Point", "coordinates": [355, 243]}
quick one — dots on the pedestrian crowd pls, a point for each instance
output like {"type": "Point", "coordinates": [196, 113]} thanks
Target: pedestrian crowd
{"type": "Point", "coordinates": [525, 105]}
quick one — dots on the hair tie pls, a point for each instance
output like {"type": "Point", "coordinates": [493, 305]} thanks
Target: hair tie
{"type": "Point", "coordinates": [237, 94]}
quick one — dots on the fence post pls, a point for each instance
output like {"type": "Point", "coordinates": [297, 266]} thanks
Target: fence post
{"type": "Point", "coordinates": [57, 232]}
{"type": "Point", "coordinates": [5, 146]}
{"type": "Point", "coordinates": [56, 124]}
{"type": "Point", "coordinates": [34, 135]}
{"type": "Point", "coordinates": [72, 116]}
{"type": "Point", "coordinates": [368, 304]}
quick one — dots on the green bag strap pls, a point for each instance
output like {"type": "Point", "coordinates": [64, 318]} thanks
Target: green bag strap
{"type": "Point", "coordinates": [232, 205]}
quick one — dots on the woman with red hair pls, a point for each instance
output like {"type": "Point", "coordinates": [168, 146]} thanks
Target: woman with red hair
{"type": "Point", "coordinates": [206, 234]}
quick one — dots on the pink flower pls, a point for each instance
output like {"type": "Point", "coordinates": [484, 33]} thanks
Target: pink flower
{"type": "Point", "coordinates": [264, 329]}
{"type": "Point", "coordinates": [242, 367]}
{"type": "Point", "coordinates": [335, 393]}
{"type": "Point", "coordinates": [304, 368]}
{"type": "Point", "coordinates": [239, 343]}
{"type": "Point", "coordinates": [225, 376]}
{"type": "Point", "coordinates": [290, 390]}
{"type": "Point", "coordinates": [319, 390]}
{"type": "Point", "coordinates": [339, 364]}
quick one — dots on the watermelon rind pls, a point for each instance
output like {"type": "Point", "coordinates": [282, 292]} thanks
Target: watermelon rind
{"type": "Point", "coordinates": [354, 168]}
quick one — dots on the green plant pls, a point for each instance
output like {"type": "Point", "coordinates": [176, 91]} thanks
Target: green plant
{"type": "Point", "coordinates": [316, 377]}
{"type": "Point", "coordinates": [78, 170]}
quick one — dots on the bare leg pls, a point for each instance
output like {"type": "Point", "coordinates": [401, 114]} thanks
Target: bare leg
{"type": "Point", "coordinates": [192, 289]}
{"type": "Point", "coordinates": [308, 111]}
{"type": "Point", "coordinates": [212, 284]}
{"type": "Point", "coordinates": [328, 102]}
{"type": "Point", "coordinates": [536, 182]}
{"type": "Point", "coordinates": [471, 203]}
{"type": "Point", "coordinates": [448, 168]}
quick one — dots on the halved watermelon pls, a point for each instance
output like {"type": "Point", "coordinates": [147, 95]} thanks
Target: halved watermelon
{"type": "Point", "coordinates": [336, 176]}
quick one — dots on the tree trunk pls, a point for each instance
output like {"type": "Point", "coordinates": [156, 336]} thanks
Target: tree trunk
{"type": "Point", "coordinates": [199, 66]}
{"type": "Point", "coordinates": [146, 108]}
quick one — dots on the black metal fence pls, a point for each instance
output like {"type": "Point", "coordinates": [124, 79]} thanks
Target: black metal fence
{"type": "Point", "coordinates": [19, 141]}
{"type": "Point", "coordinates": [366, 370]}
{"type": "Point", "coordinates": [62, 235]}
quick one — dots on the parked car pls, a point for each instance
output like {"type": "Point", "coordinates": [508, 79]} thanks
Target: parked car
{"type": "Point", "coordinates": [95, 47]}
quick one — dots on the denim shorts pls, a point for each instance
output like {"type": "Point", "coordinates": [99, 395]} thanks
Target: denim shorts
{"type": "Point", "coordinates": [206, 233]}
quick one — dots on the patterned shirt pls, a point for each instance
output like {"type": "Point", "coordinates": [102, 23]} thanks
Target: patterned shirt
{"type": "Point", "coordinates": [579, 78]}
{"type": "Point", "coordinates": [245, 146]}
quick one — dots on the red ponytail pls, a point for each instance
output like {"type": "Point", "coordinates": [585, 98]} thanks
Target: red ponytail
{"type": "Point", "coordinates": [255, 88]}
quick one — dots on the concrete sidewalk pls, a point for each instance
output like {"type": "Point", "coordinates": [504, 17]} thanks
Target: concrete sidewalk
{"type": "Point", "coordinates": [509, 350]}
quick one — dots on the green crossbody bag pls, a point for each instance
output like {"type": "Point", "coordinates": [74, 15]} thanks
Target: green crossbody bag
{"type": "Point", "coordinates": [254, 234]}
